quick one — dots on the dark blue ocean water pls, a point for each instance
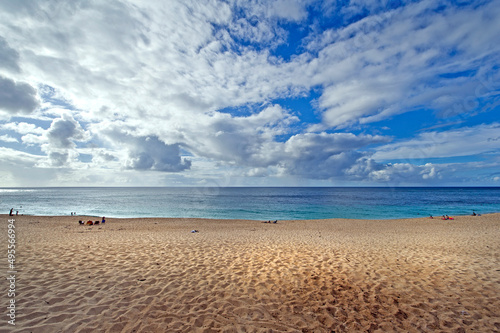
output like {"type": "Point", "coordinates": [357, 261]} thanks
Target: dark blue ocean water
{"type": "Point", "coordinates": [251, 202]}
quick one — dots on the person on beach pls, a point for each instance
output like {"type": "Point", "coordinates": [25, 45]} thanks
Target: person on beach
{"type": "Point", "coordinates": [103, 220]}
{"type": "Point", "coordinates": [11, 212]}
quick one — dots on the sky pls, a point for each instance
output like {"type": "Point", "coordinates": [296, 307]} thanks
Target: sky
{"type": "Point", "coordinates": [249, 93]}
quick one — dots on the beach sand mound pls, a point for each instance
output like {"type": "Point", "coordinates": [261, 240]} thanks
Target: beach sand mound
{"type": "Point", "coordinates": [154, 275]}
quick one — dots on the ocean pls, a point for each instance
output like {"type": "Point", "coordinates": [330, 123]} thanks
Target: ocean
{"type": "Point", "coordinates": [255, 203]}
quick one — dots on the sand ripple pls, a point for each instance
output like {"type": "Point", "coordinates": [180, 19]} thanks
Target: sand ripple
{"type": "Point", "coordinates": [154, 275]}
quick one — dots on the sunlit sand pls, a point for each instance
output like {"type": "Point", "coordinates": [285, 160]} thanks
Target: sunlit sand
{"type": "Point", "coordinates": [155, 275]}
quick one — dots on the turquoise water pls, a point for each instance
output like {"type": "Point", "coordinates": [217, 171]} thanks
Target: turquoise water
{"type": "Point", "coordinates": [284, 203]}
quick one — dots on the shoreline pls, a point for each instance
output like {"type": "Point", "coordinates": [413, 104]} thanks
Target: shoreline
{"type": "Point", "coordinates": [155, 275]}
{"type": "Point", "coordinates": [256, 203]}
{"type": "Point", "coordinates": [437, 217]}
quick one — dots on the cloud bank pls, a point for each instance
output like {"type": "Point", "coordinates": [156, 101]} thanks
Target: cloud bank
{"type": "Point", "coordinates": [264, 91]}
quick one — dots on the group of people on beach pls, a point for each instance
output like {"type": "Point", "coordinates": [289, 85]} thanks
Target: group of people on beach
{"type": "Point", "coordinates": [446, 217]}
{"type": "Point", "coordinates": [89, 222]}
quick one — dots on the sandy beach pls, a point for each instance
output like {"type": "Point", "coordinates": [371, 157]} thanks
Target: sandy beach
{"type": "Point", "coordinates": [155, 275]}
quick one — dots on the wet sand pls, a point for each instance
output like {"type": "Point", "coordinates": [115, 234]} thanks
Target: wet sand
{"type": "Point", "coordinates": [155, 275]}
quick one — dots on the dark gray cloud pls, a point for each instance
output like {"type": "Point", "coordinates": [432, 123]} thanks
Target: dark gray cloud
{"type": "Point", "coordinates": [19, 7]}
{"type": "Point", "coordinates": [145, 152]}
{"type": "Point", "coordinates": [64, 131]}
{"type": "Point", "coordinates": [60, 139]}
{"type": "Point", "coordinates": [17, 98]}
{"type": "Point", "coordinates": [9, 58]}
{"type": "Point", "coordinates": [58, 159]}
{"type": "Point", "coordinates": [149, 153]}
{"type": "Point", "coordinates": [323, 167]}
{"type": "Point", "coordinates": [329, 156]}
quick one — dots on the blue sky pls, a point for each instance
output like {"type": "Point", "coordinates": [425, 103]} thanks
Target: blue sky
{"type": "Point", "coordinates": [250, 93]}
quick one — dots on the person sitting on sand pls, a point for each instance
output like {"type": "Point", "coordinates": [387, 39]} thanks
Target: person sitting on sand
{"type": "Point", "coordinates": [473, 213]}
{"type": "Point", "coordinates": [103, 220]}
{"type": "Point", "coordinates": [80, 222]}
{"type": "Point", "coordinates": [90, 223]}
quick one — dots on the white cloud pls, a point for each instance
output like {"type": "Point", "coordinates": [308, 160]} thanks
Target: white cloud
{"type": "Point", "coordinates": [315, 156]}
{"type": "Point", "coordinates": [467, 141]}
{"type": "Point", "coordinates": [170, 86]}
{"type": "Point", "coordinates": [406, 173]}
{"type": "Point", "coordinates": [400, 60]}
{"type": "Point", "coordinates": [11, 156]}
{"type": "Point", "coordinates": [282, 9]}
{"type": "Point", "coordinates": [289, 9]}
{"type": "Point", "coordinates": [22, 128]}
{"type": "Point", "coordinates": [7, 138]}
{"type": "Point", "coordinates": [134, 60]}
{"type": "Point", "coordinates": [246, 140]}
